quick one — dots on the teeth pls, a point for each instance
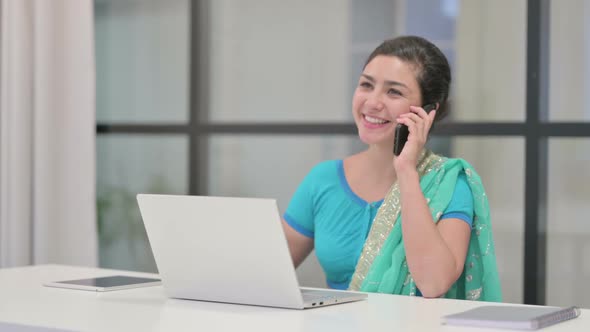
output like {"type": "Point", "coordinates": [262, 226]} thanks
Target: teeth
{"type": "Point", "coordinates": [374, 120]}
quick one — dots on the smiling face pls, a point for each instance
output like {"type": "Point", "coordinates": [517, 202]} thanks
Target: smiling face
{"type": "Point", "coordinates": [387, 87]}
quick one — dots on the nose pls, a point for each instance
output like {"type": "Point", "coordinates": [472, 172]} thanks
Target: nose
{"type": "Point", "coordinates": [374, 102]}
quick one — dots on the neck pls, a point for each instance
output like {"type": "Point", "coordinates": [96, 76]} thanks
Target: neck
{"type": "Point", "coordinates": [379, 159]}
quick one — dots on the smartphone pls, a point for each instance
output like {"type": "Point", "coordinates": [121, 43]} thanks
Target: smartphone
{"type": "Point", "coordinates": [402, 132]}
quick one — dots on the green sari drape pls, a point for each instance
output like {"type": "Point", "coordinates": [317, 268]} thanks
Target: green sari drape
{"type": "Point", "coordinates": [382, 266]}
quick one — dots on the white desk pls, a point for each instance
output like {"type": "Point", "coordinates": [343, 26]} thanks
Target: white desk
{"type": "Point", "coordinates": [24, 301]}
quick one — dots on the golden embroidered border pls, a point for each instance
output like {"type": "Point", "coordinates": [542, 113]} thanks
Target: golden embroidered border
{"type": "Point", "coordinates": [384, 222]}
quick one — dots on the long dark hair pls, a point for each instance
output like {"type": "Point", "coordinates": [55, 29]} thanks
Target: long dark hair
{"type": "Point", "coordinates": [433, 73]}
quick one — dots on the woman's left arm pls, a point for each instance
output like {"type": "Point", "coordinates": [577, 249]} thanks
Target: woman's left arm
{"type": "Point", "coordinates": [435, 253]}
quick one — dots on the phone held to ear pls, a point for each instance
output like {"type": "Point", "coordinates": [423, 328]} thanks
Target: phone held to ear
{"type": "Point", "coordinates": [402, 132]}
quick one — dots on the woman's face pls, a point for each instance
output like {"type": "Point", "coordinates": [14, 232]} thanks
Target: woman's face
{"type": "Point", "coordinates": [387, 87]}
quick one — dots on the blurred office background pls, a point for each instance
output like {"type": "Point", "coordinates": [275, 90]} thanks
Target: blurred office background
{"type": "Point", "coordinates": [242, 98]}
{"type": "Point", "coordinates": [263, 66]}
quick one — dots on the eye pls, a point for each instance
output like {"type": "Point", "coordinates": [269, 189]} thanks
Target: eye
{"type": "Point", "coordinates": [394, 92]}
{"type": "Point", "coordinates": [365, 84]}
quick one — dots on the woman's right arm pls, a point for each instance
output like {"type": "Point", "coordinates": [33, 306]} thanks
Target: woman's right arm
{"type": "Point", "coordinates": [299, 245]}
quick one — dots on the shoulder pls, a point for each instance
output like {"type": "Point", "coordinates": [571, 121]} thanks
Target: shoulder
{"type": "Point", "coordinates": [461, 172]}
{"type": "Point", "coordinates": [438, 167]}
{"type": "Point", "coordinates": [460, 165]}
{"type": "Point", "coordinates": [321, 175]}
{"type": "Point", "coordinates": [460, 169]}
{"type": "Point", "coordinates": [455, 162]}
{"type": "Point", "coordinates": [325, 169]}
{"type": "Point", "coordinates": [467, 170]}
{"type": "Point", "coordinates": [462, 189]}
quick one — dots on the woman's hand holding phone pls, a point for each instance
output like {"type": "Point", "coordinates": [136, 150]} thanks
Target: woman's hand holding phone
{"type": "Point", "coordinates": [417, 124]}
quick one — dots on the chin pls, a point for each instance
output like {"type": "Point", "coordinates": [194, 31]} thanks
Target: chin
{"type": "Point", "coordinates": [373, 139]}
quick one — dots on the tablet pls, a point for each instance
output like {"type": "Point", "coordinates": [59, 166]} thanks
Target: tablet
{"type": "Point", "coordinates": [105, 284]}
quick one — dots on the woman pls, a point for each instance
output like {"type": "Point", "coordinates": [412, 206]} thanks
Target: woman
{"type": "Point", "coordinates": [413, 224]}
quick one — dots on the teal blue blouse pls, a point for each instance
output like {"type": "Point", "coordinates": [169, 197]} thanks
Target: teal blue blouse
{"type": "Point", "coordinates": [326, 209]}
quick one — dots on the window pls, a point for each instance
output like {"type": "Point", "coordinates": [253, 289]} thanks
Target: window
{"type": "Point", "coordinates": [242, 98]}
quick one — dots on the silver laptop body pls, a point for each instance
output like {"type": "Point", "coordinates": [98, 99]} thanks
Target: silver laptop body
{"type": "Point", "coordinates": [227, 249]}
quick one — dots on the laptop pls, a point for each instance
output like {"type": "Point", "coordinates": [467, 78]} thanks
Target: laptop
{"type": "Point", "coordinates": [227, 249]}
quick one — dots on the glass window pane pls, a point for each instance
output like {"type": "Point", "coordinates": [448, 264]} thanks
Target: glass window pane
{"type": "Point", "coordinates": [269, 166]}
{"type": "Point", "coordinates": [300, 62]}
{"type": "Point", "coordinates": [568, 230]}
{"type": "Point", "coordinates": [279, 61]}
{"type": "Point", "coordinates": [502, 173]}
{"type": "Point", "coordinates": [569, 61]}
{"type": "Point", "coordinates": [273, 167]}
{"type": "Point", "coordinates": [128, 165]}
{"type": "Point", "coordinates": [142, 61]}
{"type": "Point", "coordinates": [490, 61]}
{"type": "Point", "coordinates": [369, 26]}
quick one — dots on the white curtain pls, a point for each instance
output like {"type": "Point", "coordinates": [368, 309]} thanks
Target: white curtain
{"type": "Point", "coordinates": [47, 133]}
